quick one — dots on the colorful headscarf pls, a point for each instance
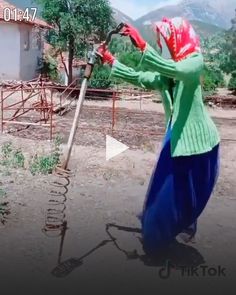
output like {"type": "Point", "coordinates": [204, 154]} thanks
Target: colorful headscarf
{"type": "Point", "coordinates": [179, 36]}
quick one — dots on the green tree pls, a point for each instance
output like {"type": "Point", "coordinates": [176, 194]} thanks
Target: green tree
{"type": "Point", "coordinates": [101, 77]}
{"type": "Point", "coordinates": [220, 57]}
{"type": "Point", "coordinates": [76, 23]}
{"type": "Point", "coordinates": [232, 82]}
{"type": "Point", "coordinates": [212, 78]}
{"type": "Point", "coordinates": [49, 67]}
{"type": "Point", "coordinates": [126, 52]}
{"type": "Point", "coordinates": [228, 57]}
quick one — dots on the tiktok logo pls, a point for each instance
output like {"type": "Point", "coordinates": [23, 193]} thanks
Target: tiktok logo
{"type": "Point", "coordinates": [164, 272]}
{"type": "Point", "coordinates": [191, 271]}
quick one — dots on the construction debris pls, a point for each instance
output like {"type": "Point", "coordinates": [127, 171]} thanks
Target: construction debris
{"type": "Point", "coordinates": [222, 101]}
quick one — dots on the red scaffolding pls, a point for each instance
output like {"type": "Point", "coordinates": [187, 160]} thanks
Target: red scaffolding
{"type": "Point", "coordinates": [27, 104]}
{"type": "Point", "coordinates": [36, 102]}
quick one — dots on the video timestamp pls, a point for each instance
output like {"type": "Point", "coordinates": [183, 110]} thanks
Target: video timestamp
{"type": "Point", "coordinates": [18, 15]}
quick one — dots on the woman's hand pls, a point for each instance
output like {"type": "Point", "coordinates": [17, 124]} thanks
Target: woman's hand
{"type": "Point", "coordinates": [135, 37]}
{"type": "Point", "coordinates": [105, 54]}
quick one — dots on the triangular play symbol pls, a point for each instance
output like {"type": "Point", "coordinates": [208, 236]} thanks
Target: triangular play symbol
{"type": "Point", "coordinates": [114, 147]}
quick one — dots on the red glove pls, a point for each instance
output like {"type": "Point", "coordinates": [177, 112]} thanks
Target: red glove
{"type": "Point", "coordinates": [135, 37]}
{"type": "Point", "coordinates": [105, 54]}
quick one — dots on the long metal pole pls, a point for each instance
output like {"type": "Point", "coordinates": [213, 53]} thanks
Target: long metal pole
{"type": "Point", "coordinates": [68, 150]}
{"type": "Point", "coordinates": [92, 56]}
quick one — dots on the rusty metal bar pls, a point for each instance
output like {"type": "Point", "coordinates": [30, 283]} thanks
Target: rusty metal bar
{"type": "Point", "coordinates": [51, 116]}
{"type": "Point", "coordinates": [19, 102]}
{"type": "Point", "coordinates": [25, 123]}
{"type": "Point", "coordinates": [20, 109]}
{"type": "Point", "coordinates": [23, 113]}
{"type": "Point", "coordinates": [45, 103]}
{"type": "Point", "coordinates": [8, 95]}
{"type": "Point", "coordinates": [2, 114]}
{"type": "Point", "coordinates": [113, 110]}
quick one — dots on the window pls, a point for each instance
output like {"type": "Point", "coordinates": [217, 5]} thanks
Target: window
{"type": "Point", "coordinates": [26, 40]}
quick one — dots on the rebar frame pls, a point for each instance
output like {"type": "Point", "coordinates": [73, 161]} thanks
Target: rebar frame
{"type": "Point", "coordinates": [31, 99]}
{"type": "Point", "coordinates": [37, 98]}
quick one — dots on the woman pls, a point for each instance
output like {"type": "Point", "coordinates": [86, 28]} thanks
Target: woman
{"type": "Point", "coordinates": [187, 169]}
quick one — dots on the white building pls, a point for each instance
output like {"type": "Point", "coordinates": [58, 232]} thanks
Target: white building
{"type": "Point", "coordinates": [21, 45]}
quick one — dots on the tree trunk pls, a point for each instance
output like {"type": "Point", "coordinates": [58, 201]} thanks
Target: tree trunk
{"type": "Point", "coordinates": [70, 62]}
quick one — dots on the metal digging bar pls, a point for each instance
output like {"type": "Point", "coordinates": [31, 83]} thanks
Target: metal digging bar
{"type": "Point", "coordinates": [55, 223]}
{"type": "Point", "coordinates": [87, 75]}
{"type": "Point", "coordinates": [88, 72]}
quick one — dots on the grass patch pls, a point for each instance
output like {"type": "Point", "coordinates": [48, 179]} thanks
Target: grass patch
{"type": "Point", "coordinates": [45, 164]}
{"type": "Point", "coordinates": [11, 157]}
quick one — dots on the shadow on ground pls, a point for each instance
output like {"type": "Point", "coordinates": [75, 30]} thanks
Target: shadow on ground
{"type": "Point", "coordinates": [176, 256]}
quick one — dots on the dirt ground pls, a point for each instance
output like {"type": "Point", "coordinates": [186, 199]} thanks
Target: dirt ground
{"type": "Point", "coordinates": [99, 258]}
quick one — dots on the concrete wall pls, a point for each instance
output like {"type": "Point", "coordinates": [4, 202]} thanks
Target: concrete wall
{"type": "Point", "coordinates": [30, 53]}
{"type": "Point", "coordinates": [9, 53]}
{"type": "Point", "coordinates": [20, 53]}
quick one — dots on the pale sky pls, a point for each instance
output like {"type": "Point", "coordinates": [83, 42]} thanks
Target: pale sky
{"type": "Point", "coordinates": [137, 8]}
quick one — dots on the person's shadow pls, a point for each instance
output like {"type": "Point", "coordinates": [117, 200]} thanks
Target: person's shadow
{"type": "Point", "coordinates": [177, 255]}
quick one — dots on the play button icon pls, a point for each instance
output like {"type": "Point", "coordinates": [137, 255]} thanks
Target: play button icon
{"type": "Point", "coordinates": [114, 147]}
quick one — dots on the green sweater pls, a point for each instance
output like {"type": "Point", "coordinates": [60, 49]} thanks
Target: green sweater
{"type": "Point", "coordinates": [193, 131]}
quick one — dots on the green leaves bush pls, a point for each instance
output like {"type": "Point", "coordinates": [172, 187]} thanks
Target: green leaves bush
{"type": "Point", "coordinates": [212, 78]}
{"type": "Point", "coordinates": [101, 77]}
{"type": "Point", "coordinates": [45, 164]}
{"type": "Point", "coordinates": [49, 68]}
{"type": "Point", "coordinates": [39, 164]}
{"type": "Point", "coordinates": [232, 82]}
{"type": "Point", "coordinates": [12, 157]}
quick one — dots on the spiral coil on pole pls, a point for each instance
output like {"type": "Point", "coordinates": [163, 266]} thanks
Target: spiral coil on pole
{"type": "Point", "coordinates": [55, 215]}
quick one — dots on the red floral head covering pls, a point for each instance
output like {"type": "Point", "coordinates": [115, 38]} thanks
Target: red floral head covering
{"type": "Point", "coordinates": [179, 36]}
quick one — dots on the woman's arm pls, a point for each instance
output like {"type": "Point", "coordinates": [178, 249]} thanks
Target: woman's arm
{"type": "Point", "coordinates": [182, 70]}
{"type": "Point", "coordinates": [188, 69]}
{"type": "Point", "coordinates": [147, 80]}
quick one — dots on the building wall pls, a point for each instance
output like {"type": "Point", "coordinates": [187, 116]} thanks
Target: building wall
{"type": "Point", "coordinates": [9, 52]}
{"type": "Point", "coordinates": [30, 51]}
